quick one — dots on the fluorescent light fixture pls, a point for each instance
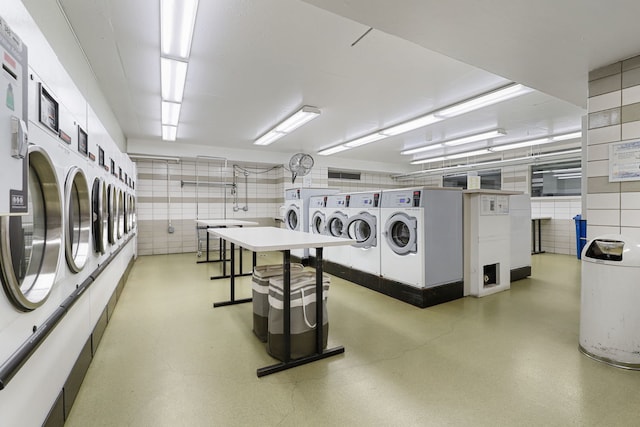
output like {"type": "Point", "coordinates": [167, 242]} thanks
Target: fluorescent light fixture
{"type": "Point", "coordinates": [288, 125]}
{"type": "Point", "coordinates": [522, 144]}
{"type": "Point", "coordinates": [411, 125]}
{"type": "Point", "coordinates": [468, 154]}
{"type": "Point", "coordinates": [177, 22]}
{"type": "Point", "coordinates": [568, 170]}
{"type": "Point", "coordinates": [365, 140]}
{"type": "Point", "coordinates": [421, 149]}
{"type": "Point", "coordinates": [567, 136]}
{"type": "Point", "coordinates": [269, 137]}
{"type": "Point", "coordinates": [538, 141]}
{"type": "Point", "coordinates": [173, 75]}
{"type": "Point", "coordinates": [333, 150]}
{"type": "Point", "coordinates": [170, 113]}
{"type": "Point", "coordinates": [502, 94]}
{"type": "Point", "coordinates": [169, 133]}
{"type": "Point", "coordinates": [300, 117]}
{"type": "Point", "coordinates": [473, 138]}
{"type": "Point", "coordinates": [433, 159]}
{"type": "Point", "coordinates": [569, 177]}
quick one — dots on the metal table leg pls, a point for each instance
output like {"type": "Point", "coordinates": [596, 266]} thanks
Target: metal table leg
{"type": "Point", "coordinates": [232, 283]}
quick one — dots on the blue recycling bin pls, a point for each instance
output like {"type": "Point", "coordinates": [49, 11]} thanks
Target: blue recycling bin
{"type": "Point", "coordinates": [581, 234]}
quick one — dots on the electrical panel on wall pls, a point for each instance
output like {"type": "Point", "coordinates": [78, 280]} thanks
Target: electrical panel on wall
{"type": "Point", "coordinates": [13, 123]}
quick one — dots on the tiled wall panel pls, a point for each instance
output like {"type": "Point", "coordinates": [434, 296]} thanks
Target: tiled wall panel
{"type": "Point", "coordinates": [612, 207]}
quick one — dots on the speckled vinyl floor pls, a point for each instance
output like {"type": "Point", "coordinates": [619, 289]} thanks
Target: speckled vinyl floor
{"type": "Point", "coordinates": [168, 358]}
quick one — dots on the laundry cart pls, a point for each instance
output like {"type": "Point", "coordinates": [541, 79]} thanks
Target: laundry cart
{"type": "Point", "coordinates": [609, 314]}
{"type": "Point", "coordinates": [303, 315]}
{"type": "Point", "coordinates": [260, 294]}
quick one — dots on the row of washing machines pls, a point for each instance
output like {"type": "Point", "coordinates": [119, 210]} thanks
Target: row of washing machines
{"type": "Point", "coordinates": [409, 235]}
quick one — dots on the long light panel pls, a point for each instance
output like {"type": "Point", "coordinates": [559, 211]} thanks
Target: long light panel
{"type": "Point", "coordinates": [457, 141]}
{"type": "Point", "coordinates": [503, 93]}
{"type": "Point", "coordinates": [177, 22]}
{"type": "Point", "coordinates": [538, 141]}
{"type": "Point", "coordinates": [493, 149]}
{"type": "Point", "coordinates": [288, 125]}
{"type": "Point", "coordinates": [170, 113]}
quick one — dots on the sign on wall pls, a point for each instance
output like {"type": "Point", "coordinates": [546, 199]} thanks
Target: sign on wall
{"type": "Point", "coordinates": [624, 161]}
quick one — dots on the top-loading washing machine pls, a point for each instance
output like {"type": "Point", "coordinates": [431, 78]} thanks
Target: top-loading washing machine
{"type": "Point", "coordinates": [422, 240]}
{"type": "Point", "coordinates": [336, 226]}
{"type": "Point", "coordinates": [363, 225]}
{"type": "Point", "coordinates": [296, 215]}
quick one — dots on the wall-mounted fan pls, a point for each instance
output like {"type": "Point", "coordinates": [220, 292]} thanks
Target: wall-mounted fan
{"type": "Point", "coordinates": [300, 164]}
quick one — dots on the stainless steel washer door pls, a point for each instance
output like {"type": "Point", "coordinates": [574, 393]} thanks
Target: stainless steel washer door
{"type": "Point", "coordinates": [120, 213]}
{"type": "Point", "coordinates": [362, 228]}
{"type": "Point", "coordinates": [78, 213]}
{"type": "Point", "coordinates": [100, 216]}
{"type": "Point", "coordinates": [292, 218]}
{"type": "Point", "coordinates": [112, 224]}
{"type": "Point", "coordinates": [336, 224]}
{"type": "Point", "coordinates": [317, 223]}
{"type": "Point", "coordinates": [30, 245]}
{"type": "Point", "coordinates": [402, 234]}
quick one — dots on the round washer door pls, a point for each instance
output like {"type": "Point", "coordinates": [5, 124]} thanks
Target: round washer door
{"type": "Point", "coordinates": [111, 209]}
{"type": "Point", "coordinates": [336, 224]}
{"type": "Point", "coordinates": [30, 245]}
{"type": "Point", "coordinates": [99, 216]}
{"type": "Point", "coordinates": [318, 223]}
{"type": "Point", "coordinates": [78, 213]}
{"type": "Point", "coordinates": [292, 218]}
{"type": "Point", "coordinates": [120, 213]}
{"type": "Point", "coordinates": [401, 233]}
{"type": "Point", "coordinates": [362, 228]}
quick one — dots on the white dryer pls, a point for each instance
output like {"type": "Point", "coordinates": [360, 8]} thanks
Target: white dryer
{"type": "Point", "coordinates": [296, 215]}
{"type": "Point", "coordinates": [363, 226]}
{"type": "Point", "coordinates": [336, 222]}
{"type": "Point", "coordinates": [422, 241]}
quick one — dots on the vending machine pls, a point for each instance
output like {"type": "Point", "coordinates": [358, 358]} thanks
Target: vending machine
{"type": "Point", "coordinates": [13, 123]}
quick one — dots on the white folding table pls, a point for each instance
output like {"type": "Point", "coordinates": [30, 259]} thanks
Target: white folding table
{"type": "Point", "coordinates": [261, 239]}
{"type": "Point", "coordinates": [222, 250]}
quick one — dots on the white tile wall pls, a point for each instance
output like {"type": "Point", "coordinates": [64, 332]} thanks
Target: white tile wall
{"type": "Point", "coordinates": [630, 200]}
{"type": "Point", "coordinates": [608, 217]}
{"type": "Point", "coordinates": [605, 101]}
{"type": "Point", "coordinates": [631, 95]}
{"type": "Point", "coordinates": [558, 233]}
{"type": "Point", "coordinates": [603, 200]}
{"type": "Point", "coordinates": [604, 135]}
{"type": "Point", "coordinates": [631, 130]}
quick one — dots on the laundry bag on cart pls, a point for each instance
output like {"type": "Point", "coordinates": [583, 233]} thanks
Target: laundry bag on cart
{"type": "Point", "coordinates": [260, 294]}
{"type": "Point", "coordinates": [303, 315]}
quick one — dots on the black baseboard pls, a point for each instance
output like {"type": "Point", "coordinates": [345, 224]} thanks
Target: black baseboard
{"type": "Point", "coordinates": [63, 404]}
{"type": "Point", "coordinates": [520, 273]}
{"type": "Point", "coordinates": [418, 297]}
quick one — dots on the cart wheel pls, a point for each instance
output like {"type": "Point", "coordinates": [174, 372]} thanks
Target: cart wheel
{"type": "Point", "coordinates": [199, 254]}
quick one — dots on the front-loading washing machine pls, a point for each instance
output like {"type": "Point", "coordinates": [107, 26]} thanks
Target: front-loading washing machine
{"type": "Point", "coordinates": [317, 218]}
{"type": "Point", "coordinates": [296, 215]}
{"type": "Point", "coordinates": [422, 240]}
{"type": "Point", "coordinates": [336, 226]}
{"type": "Point", "coordinates": [363, 226]}
{"type": "Point", "coordinates": [30, 245]}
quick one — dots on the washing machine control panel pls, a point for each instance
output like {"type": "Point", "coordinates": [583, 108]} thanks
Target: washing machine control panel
{"type": "Point", "coordinates": [292, 194]}
{"type": "Point", "coordinates": [401, 199]}
{"type": "Point", "coordinates": [13, 123]}
{"type": "Point", "coordinates": [317, 201]}
{"type": "Point", "coordinates": [367, 200]}
{"type": "Point", "coordinates": [337, 201]}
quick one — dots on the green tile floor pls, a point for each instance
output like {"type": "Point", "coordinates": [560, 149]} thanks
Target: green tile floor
{"type": "Point", "coordinates": [168, 358]}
